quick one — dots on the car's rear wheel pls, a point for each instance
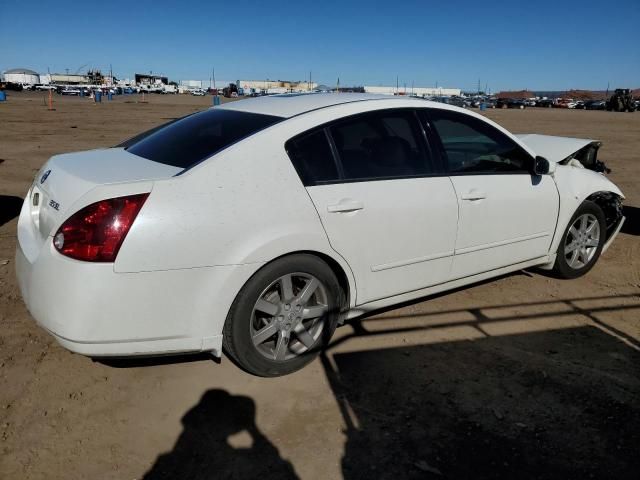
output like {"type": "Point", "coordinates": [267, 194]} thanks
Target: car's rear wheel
{"type": "Point", "coordinates": [283, 316]}
{"type": "Point", "coordinates": [582, 242]}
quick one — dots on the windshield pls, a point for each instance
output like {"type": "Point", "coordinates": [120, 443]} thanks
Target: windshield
{"type": "Point", "coordinates": [184, 142]}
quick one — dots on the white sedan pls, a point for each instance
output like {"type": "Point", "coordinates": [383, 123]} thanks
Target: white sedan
{"type": "Point", "coordinates": [258, 226]}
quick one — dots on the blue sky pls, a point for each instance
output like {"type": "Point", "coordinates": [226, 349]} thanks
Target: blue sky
{"type": "Point", "coordinates": [508, 45]}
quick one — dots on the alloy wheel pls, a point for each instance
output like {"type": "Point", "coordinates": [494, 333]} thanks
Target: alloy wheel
{"type": "Point", "coordinates": [583, 239]}
{"type": "Point", "coordinates": [289, 316]}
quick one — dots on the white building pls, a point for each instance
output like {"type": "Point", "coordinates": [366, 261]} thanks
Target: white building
{"type": "Point", "coordinates": [191, 83]}
{"type": "Point", "coordinates": [22, 75]}
{"type": "Point", "coordinates": [416, 91]}
{"type": "Point", "coordinates": [276, 86]}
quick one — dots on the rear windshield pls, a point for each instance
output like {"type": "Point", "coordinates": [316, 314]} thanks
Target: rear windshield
{"type": "Point", "coordinates": [183, 143]}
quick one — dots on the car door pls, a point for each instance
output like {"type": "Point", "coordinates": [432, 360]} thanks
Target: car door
{"type": "Point", "coordinates": [507, 215]}
{"type": "Point", "coordinates": [384, 204]}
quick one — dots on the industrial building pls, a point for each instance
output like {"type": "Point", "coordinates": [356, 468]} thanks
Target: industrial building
{"type": "Point", "coordinates": [92, 77]}
{"type": "Point", "coordinates": [23, 76]}
{"type": "Point", "coordinates": [150, 79]}
{"type": "Point", "coordinates": [415, 91]}
{"type": "Point", "coordinates": [275, 86]}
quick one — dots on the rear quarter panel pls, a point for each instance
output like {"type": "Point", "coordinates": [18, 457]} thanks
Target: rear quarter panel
{"type": "Point", "coordinates": [246, 205]}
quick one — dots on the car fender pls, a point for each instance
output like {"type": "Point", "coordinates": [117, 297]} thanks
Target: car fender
{"type": "Point", "coordinates": [575, 185]}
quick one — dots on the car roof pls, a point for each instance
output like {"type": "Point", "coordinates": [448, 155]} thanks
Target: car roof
{"type": "Point", "coordinates": [289, 105]}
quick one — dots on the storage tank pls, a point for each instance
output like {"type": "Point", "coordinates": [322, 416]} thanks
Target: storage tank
{"type": "Point", "coordinates": [22, 75]}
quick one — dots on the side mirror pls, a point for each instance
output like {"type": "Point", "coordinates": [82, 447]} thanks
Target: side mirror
{"type": "Point", "coordinates": [542, 166]}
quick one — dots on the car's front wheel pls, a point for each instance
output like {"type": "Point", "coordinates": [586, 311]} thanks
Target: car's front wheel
{"type": "Point", "coordinates": [582, 241]}
{"type": "Point", "coordinates": [283, 316]}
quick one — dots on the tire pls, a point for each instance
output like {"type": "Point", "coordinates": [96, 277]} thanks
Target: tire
{"type": "Point", "coordinates": [290, 327]}
{"type": "Point", "coordinates": [574, 262]}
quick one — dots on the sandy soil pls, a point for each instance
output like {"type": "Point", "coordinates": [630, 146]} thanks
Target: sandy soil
{"type": "Point", "coordinates": [521, 377]}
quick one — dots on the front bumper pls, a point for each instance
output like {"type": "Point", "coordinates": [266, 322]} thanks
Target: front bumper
{"type": "Point", "coordinates": [613, 235]}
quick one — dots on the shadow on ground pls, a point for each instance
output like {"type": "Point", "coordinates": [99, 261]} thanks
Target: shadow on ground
{"type": "Point", "coordinates": [632, 223]}
{"type": "Point", "coordinates": [561, 403]}
{"type": "Point", "coordinates": [203, 450]}
{"type": "Point", "coordinates": [546, 405]}
{"type": "Point", "coordinates": [154, 361]}
{"type": "Point", "coordinates": [9, 208]}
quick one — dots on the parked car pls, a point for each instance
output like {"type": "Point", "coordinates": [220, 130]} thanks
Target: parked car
{"type": "Point", "coordinates": [564, 103]}
{"type": "Point", "coordinates": [15, 87]}
{"type": "Point", "coordinates": [579, 105]}
{"type": "Point", "coordinates": [198, 92]}
{"type": "Point", "coordinates": [490, 102]}
{"type": "Point", "coordinates": [544, 102]}
{"type": "Point", "coordinates": [510, 103]}
{"type": "Point", "coordinates": [242, 227]}
{"type": "Point", "coordinates": [595, 105]}
{"type": "Point", "coordinates": [456, 101]}
{"type": "Point", "coordinates": [73, 91]}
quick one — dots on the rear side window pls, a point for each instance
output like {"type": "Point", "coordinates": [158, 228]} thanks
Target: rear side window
{"type": "Point", "coordinates": [312, 158]}
{"type": "Point", "coordinates": [379, 145]}
{"type": "Point", "coordinates": [187, 141]}
{"type": "Point", "coordinates": [472, 146]}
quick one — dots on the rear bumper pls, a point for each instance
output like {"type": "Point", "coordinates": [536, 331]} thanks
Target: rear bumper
{"type": "Point", "coordinates": [94, 311]}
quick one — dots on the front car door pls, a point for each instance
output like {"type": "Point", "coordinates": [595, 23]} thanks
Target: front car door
{"type": "Point", "coordinates": [382, 201]}
{"type": "Point", "coordinates": [507, 214]}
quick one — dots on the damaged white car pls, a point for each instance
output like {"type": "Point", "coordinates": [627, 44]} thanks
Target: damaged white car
{"type": "Point", "coordinates": [258, 226]}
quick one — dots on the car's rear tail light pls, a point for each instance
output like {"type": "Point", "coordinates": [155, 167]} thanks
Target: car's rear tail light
{"type": "Point", "coordinates": [96, 232]}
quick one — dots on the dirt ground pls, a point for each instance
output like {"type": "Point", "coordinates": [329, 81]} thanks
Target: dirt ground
{"type": "Point", "coordinates": [521, 377]}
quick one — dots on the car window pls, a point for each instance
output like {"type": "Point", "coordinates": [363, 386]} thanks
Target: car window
{"type": "Point", "coordinates": [189, 140]}
{"type": "Point", "coordinates": [312, 158]}
{"type": "Point", "coordinates": [472, 146]}
{"type": "Point", "coordinates": [381, 145]}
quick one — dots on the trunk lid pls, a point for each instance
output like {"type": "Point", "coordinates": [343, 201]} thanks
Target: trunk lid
{"type": "Point", "coordinates": [66, 178]}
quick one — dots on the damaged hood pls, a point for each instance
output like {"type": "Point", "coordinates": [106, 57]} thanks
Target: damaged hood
{"type": "Point", "coordinates": [555, 149]}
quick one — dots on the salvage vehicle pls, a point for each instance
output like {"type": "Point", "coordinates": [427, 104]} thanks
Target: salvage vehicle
{"type": "Point", "coordinates": [545, 103]}
{"type": "Point", "coordinates": [621, 101]}
{"type": "Point", "coordinates": [510, 103]}
{"type": "Point", "coordinates": [258, 226]}
{"type": "Point", "coordinates": [595, 105]}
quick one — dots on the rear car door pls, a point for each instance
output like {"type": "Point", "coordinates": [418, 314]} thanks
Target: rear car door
{"type": "Point", "coordinates": [507, 214]}
{"type": "Point", "coordinates": [386, 207]}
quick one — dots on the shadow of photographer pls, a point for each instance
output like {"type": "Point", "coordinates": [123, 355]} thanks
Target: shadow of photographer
{"type": "Point", "coordinates": [203, 450]}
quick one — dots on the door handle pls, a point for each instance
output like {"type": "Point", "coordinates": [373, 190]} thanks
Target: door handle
{"type": "Point", "coordinates": [344, 206]}
{"type": "Point", "coordinates": [473, 195]}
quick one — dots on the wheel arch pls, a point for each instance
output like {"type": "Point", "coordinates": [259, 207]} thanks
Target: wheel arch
{"type": "Point", "coordinates": [575, 185]}
{"type": "Point", "coordinates": [611, 205]}
{"type": "Point", "coordinates": [339, 267]}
